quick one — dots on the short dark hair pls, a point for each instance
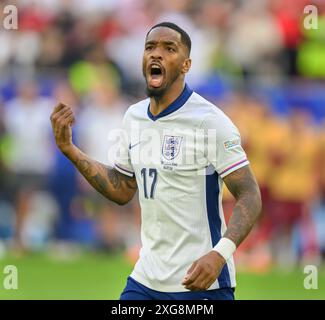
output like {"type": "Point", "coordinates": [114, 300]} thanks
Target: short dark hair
{"type": "Point", "coordinates": [185, 38]}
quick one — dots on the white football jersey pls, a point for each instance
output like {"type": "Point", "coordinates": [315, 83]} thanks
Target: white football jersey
{"type": "Point", "coordinates": [179, 158]}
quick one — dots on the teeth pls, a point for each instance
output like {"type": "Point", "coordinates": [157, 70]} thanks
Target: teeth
{"type": "Point", "coordinates": [155, 69]}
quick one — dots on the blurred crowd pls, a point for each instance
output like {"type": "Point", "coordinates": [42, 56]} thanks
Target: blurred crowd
{"type": "Point", "coordinates": [254, 59]}
{"type": "Point", "coordinates": [287, 155]}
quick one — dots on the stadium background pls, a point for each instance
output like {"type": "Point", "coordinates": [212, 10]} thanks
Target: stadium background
{"type": "Point", "coordinates": [254, 59]}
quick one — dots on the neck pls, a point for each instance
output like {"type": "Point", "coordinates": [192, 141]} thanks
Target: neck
{"type": "Point", "coordinates": [159, 104]}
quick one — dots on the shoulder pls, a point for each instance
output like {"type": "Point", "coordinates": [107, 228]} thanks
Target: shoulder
{"type": "Point", "coordinates": [136, 111]}
{"type": "Point", "coordinates": [208, 113]}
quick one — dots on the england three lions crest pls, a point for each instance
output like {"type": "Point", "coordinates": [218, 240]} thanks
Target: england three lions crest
{"type": "Point", "coordinates": [171, 147]}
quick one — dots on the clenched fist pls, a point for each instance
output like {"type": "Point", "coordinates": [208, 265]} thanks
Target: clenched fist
{"type": "Point", "coordinates": [204, 272]}
{"type": "Point", "coordinates": [62, 118]}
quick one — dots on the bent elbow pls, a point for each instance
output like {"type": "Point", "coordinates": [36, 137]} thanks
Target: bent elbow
{"type": "Point", "coordinates": [121, 201]}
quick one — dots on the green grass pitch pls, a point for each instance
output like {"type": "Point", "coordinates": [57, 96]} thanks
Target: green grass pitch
{"type": "Point", "coordinates": [102, 276]}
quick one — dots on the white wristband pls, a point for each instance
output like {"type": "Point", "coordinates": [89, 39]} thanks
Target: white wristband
{"type": "Point", "coordinates": [225, 247]}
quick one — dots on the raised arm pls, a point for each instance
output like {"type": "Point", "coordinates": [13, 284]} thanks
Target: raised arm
{"type": "Point", "coordinates": [112, 184]}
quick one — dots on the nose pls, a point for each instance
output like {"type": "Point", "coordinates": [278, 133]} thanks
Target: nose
{"type": "Point", "coordinates": [156, 53]}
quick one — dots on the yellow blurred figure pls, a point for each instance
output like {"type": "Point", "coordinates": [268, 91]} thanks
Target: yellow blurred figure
{"type": "Point", "coordinates": [292, 178]}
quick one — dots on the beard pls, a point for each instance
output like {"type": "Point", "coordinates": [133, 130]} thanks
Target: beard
{"type": "Point", "coordinates": [158, 93]}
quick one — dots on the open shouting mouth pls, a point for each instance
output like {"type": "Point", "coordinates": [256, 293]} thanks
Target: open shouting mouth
{"type": "Point", "coordinates": [155, 75]}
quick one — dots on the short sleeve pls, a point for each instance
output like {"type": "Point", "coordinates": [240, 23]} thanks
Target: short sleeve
{"type": "Point", "coordinates": [223, 144]}
{"type": "Point", "coordinates": [122, 160]}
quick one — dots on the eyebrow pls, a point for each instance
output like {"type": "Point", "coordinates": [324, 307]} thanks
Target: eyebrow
{"type": "Point", "coordinates": [166, 42]}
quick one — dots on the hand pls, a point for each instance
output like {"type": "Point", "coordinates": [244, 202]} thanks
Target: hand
{"type": "Point", "coordinates": [204, 271]}
{"type": "Point", "coordinates": [62, 119]}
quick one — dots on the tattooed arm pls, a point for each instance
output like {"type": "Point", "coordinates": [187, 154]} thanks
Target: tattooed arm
{"type": "Point", "coordinates": [112, 184]}
{"type": "Point", "coordinates": [243, 186]}
{"type": "Point", "coordinates": [106, 180]}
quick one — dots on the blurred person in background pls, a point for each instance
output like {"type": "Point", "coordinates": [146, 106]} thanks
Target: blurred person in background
{"type": "Point", "coordinates": [309, 232]}
{"type": "Point", "coordinates": [103, 113]}
{"type": "Point", "coordinates": [258, 48]}
{"type": "Point", "coordinates": [93, 69]}
{"type": "Point", "coordinates": [287, 15]}
{"type": "Point", "coordinates": [318, 207]}
{"type": "Point", "coordinates": [27, 41]}
{"type": "Point", "coordinates": [257, 126]}
{"type": "Point", "coordinates": [51, 51]}
{"type": "Point", "coordinates": [7, 212]}
{"type": "Point", "coordinates": [30, 156]}
{"type": "Point", "coordinates": [292, 181]}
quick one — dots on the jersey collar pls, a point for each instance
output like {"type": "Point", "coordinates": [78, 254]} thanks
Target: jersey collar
{"type": "Point", "coordinates": [175, 105]}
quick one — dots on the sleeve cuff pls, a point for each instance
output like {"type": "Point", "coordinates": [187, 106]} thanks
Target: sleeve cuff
{"type": "Point", "coordinates": [234, 167]}
{"type": "Point", "coordinates": [122, 170]}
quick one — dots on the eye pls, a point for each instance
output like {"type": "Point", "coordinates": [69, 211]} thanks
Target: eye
{"type": "Point", "coordinates": [171, 49]}
{"type": "Point", "coordinates": [149, 47]}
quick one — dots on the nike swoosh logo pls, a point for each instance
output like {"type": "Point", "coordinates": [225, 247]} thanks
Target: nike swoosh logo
{"type": "Point", "coordinates": [132, 146]}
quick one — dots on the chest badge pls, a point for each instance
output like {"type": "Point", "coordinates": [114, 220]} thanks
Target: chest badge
{"type": "Point", "coordinates": [171, 147]}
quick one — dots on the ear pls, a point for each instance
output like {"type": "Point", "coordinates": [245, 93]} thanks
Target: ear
{"type": "Point", "coordinates": [187, 65]}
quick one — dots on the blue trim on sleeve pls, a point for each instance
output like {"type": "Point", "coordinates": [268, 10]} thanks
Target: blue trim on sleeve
{"type": "Point", "coordinates": [175, 105]}
{"type": "Point", "coordinates": [212, 202]}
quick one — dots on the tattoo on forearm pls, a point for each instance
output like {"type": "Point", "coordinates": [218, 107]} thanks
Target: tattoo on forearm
{"type": "Point", "coordinates": [93, 175]}
{"type": "Point", "coordinates": [244, 188]}
{"type": "Point", "coordinates": [105, 179]}
{"type": "Point", "coordinates": [117, 179]}
{"type": "Point", "coordinates": [84, 167]}
{"type": "Point", "coordinates": [114, 178]}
